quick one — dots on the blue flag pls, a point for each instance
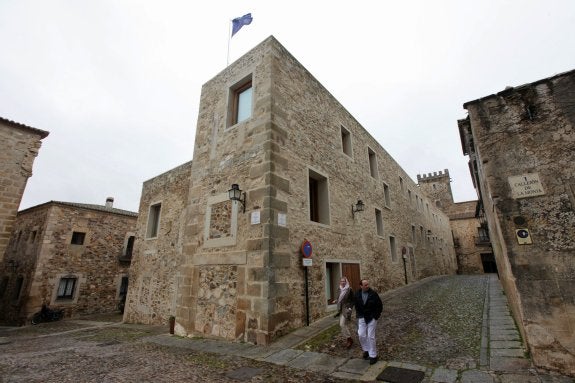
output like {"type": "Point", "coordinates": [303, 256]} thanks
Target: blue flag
{"type": "Point", "coordinates": [239, 22]}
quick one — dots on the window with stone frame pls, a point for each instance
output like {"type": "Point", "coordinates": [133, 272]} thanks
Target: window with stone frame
{"type": "Point", "coordinates": [66, 288]}
{"type": "Point", "coordinates": [318, 198]}
{"type": "Point", "coordinates": [386, 196]}
{"type": "Point", "coordinates": [372, 158]}
{"type": "Point", "coordinates": [154, 220]}
{"type": "Point", "coordinates": [241, 96]}
{"type": "Point", "coordinates": [393, 248]}
{"type": "Point", "coordinates": [346, 141]}
{"type": "Point", "coordinates": [378, 222]}
{"type": "Point", "coordinates": [78, 238]}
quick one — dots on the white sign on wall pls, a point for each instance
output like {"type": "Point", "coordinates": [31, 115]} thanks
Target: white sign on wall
{"type": "Point", "coordinates": [255, 217]}
{"type": "Point", "coordinates": [526, 185]}
{"type": "Point", "coordinates": [282, 219]}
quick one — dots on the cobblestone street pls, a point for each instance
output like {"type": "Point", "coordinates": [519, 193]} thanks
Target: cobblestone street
{"type": "Point", "coordinates": [448, 329]}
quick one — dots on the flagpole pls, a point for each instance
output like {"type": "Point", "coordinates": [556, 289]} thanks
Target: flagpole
{"type": "Point", "coordinates": [229, 38]}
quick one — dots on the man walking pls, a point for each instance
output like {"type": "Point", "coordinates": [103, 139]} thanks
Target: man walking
{"type": "Point", "coordinates": [368, 308]}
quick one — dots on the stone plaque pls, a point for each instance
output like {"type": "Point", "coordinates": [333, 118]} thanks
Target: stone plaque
{"type": "Point", "coordinates": [255, 217]}
{"type": "Point", "coordinates": [526, 185]}
{"type": "Point", "coordinates": [282, 219]}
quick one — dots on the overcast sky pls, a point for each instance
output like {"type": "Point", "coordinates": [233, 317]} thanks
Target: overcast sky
{"type": "Point", "coordinates": [117, 83]}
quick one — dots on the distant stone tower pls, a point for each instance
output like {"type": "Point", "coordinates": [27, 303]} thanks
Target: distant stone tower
{"type": "Point", "coordinates": [437, 187]}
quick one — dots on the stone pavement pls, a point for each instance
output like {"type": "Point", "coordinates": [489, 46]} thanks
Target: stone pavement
{"type": "Point", "coordinates": [503, 357]}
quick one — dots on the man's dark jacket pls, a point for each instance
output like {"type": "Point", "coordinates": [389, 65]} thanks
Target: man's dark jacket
{"type": "Point", "coordinates": [371, 309]}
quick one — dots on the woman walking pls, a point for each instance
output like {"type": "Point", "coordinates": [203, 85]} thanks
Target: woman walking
{"type": "Point", "coordinates": [344, 308]}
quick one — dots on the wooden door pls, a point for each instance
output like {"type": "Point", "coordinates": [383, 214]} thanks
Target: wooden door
{"type": "Point", "coordinates": [351, 271]}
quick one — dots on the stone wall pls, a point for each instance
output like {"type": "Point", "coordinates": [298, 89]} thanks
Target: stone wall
{"type": "Point", "coordinates": [528, 133]}
{"type": "Point", "coordinates": [295, 131]}
{"type": "Point", "coordinates": [48, 255]}
{"type": "Point", "coordinates": [19, 146]}
{"type": "Point", "coordinates": [155, 266]}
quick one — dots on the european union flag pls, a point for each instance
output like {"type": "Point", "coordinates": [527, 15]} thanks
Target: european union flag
{"type": "Point", "coordinates": [239, 22]}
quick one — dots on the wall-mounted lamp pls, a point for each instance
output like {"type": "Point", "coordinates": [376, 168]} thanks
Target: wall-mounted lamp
{"type": "Point", "coordinates": [357, 208]}
{"type": "Point", "coordinates": [236, 194]}
{"type": "Point", "coordinates": [12, 264]}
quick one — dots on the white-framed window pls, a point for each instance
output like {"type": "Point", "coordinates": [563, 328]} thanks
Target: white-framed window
{"type": "Point", "coordinates": [153, 220]}
{"type": "Point", "coordinates": [240, 102]}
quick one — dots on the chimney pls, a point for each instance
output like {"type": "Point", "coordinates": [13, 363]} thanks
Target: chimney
{"type": "Point", "coordinates": [109, 202]}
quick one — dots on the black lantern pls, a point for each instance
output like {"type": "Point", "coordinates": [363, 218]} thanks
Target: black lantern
{"type": "Point", "coordinates": [357, 208]}
{"type": "Point", "coordinates": [236, 194]}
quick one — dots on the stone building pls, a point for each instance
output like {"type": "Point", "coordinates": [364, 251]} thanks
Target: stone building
{"type": "Point", "coordinates": [155, 271]}
{"type": "Point", "coordinates": [520, 144]}
{"type": "Point", "coordinates": [19, 146]}
{"type": "Point", "coordinates": [68, 255]}
{"type": "Point", "coordinates": [300, 164]}
{"type": "Point", "coordinates": [468, 225]}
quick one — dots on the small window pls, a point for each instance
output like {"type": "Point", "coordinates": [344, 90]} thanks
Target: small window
{"type": "Point", "coordinates": [78, 238]}
{"type": "Point", "coordinates": [413, 235]}
{"type": "Point", "coordinates": [241, 102]}
{"type": "Point", "coordinates": [32, 236]}
{"type": "Point", "coordinates": [386, 196]}
{"type": "Point", "coordinates": [153, 221]}
{"type": "Point", "coordinates": [372, 163]}
{"type": "Point", "coordinates": [66, 288]}
{"type": "Point", "coordinates": [318, 198]}
{"type": "Point", "coordinates": [378, 222]}
{"type": "Point", "coordinates": [129, 247]}
{"type": "Point", "coordinates": [346, 141]}
{"type": "Point", "coordinates": [123, 287]}
{"type": "Point", "coordinates": [393, 248]}
{"type": "Point", "coordinates": [401, 184]}
{"type": "Point", "coordinates": [18, 290]}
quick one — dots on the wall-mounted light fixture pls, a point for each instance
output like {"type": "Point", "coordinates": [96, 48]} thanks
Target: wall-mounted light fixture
{"type": "Point", "coordinates": [12, 264]}
{"type": "Point", "coordinates": [236, 194]}
{"type": "Point", "coordinates": [357, 208]}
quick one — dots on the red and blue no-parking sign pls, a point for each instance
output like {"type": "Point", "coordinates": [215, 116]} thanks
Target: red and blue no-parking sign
{"type": "Point", "coordinates": [306, 249]}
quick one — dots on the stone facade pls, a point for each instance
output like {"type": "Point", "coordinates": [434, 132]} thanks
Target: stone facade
{"type": "Point", "coordinates": [19, 146]}
{"type": "Point", "coordinates": [67, 255]}
{"type": "Point", "coordinates": [520, 144]}
{"type": "Point", "coordinates": [303, 162]}
{"type": "Point", "coordinates": [467, 221]}
{"type": "Point", "coordinates": [155, 269]}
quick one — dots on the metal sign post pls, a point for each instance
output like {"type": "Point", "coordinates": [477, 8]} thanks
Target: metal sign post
{"type": "Point", "coordinates": [306, 251]}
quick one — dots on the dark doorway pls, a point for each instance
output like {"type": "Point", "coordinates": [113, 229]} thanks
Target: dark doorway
{"type": "Point", "coordinates": [488, 261]}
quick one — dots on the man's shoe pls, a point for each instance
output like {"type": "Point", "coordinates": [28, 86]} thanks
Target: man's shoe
{"type": "Point", "coordinates": [365, 355]}
{"type": "Point", "coordinates": [372, 360]}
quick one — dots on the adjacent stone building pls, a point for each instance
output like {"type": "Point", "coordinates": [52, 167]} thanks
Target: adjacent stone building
{"type": "Point", "coordinates": [468, 224]}
{"type": "Point", "coordinates": [309, 179]}
{"type": "Point", "coordinates": [155, 272]}
{"type": "Point", "coordinates": [19, 146]}
{"type": "Point", "coordinates": [67, 255]}
{"type": "Point", "coordinates": [520, 144]}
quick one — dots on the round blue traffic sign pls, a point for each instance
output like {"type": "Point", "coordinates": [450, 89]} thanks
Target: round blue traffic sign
{"type": "Point", "coordinates": [306, 249]}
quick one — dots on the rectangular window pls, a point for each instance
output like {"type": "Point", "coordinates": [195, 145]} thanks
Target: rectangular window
{"type": "Point", "coordinates": [32, 236]}
{"type": "Point", "coordinates": [401, 184]}
{"type": "Point", "coordinates": [413, 235]}
{"type": "Point", "coordinates": [18, 290]}
{"type": "Point", "coordinates": [129, 247]}
{"type": "Point", "coordinates": [66, 288]}
{"type": "Point", "coordinates": [410, 197]}
{"type": "Point", "coordinates": [372, 163]}
{"type": "Point", "coordinates": [78, 238]}
{"type": "Point", "coordinates": [386, 196]}
{"type": "Point", "coordinates": [241, 101]}
{"type": "Point", "coordinates": [393, 248]}
{"type": "Point", "coordinates": [421, 235]}
{"type": "Point", "coordinates": [346, 141]}
{"type": "Point", "coordinates": [124, 287]}
{"type": "Point", "coordinates": [153, 221]}
{"type": "Point", "coordinates": [378, 222]}
{"type": "Point", "coordinates": [318, 198]}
